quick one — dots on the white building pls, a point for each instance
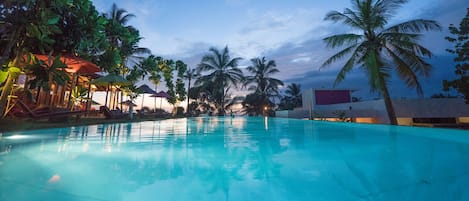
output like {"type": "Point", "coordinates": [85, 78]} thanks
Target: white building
{"type": "Point", "coordinates": [336, 104]}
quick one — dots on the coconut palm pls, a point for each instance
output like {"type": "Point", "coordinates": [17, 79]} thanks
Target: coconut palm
{"type": "Point", "coordinates": [190, 74]}
{"type": "Point", "coordinates": [117, 19]}
{"type": "Point", "coordinates": [378, 49]}
{"type": "Point", "coordinates": [222, 70]}
{"type": "Point", "coordinates": [294, 95]}
{"type": "Point", "coordinates": [261, 71]}
{"type": "Point", "coordinates": [129, 49]}
{"type": "Point", "coordinates": [262, 83]}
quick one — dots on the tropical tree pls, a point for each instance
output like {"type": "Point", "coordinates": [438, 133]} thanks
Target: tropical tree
{"type": "Point", "coordinates": [460, 39]}
{"type": "Point", "coordinates": [293, 92]}
{"type": "Point", "coordinates": [190, 75]}
{"type": "Point", "coordinates": [130, 51]}
{"type": "Point", "coordinates": [155, 76]}
{"type": "Point", "coordinates": [292, 98]}
{"type": "Point", "coordinates": [203, 96]}
{"type": "Point", "coordinates": [23, 23]}
{"type": "Point", "coordinates": [223, 71]}
{"type": "Point", "coordinates": [115, 28]}
{"type": "Point", "coordinates": [378, 49]}
{"type": "Point", "coordinates": [180, 91]}
{"type": "Point", "coordinates": [45, 74]}
{"type": "Point", "coordinates": [262, 83]}
{"type": "Point", "coordinates": [123, 41]}
{"type": "Point", "coordinates": [38, 26]}
{"type": "Point", "coordinates": [79, 94]}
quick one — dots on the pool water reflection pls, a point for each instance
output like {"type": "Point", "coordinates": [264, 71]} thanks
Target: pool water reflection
{"type": "Point", "coordinates": [235, 159]}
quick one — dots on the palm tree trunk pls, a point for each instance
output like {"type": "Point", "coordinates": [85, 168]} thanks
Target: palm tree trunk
{"type": "Point", "coordinates": [6, 92]}
{"type": "Point", "coordinates": [221, 110]}
{"type": "Point", "coordinates": [107, 94]}
{"type": "Point", "coordinates": [188, 89]}
{"type": "Point", "coordinates": [388, 103]}
{"type": "Point", "coordinates": [154, 101]}
{"type": "Point", "coordinates": [143, 98]}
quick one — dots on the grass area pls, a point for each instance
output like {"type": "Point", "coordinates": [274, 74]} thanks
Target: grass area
{"type": "Point", "coordinates": [28, 124]}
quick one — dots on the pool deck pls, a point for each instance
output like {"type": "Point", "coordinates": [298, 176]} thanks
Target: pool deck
{"type": "Point", "coordinates": [7, 125]}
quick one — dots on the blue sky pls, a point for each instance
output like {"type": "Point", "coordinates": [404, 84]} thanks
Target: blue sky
{"type": "Point", "coordinates": [289, 32]}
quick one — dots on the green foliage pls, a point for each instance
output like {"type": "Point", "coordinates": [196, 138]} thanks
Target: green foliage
{"type": "Point", "coordinates": [222, 71]}
{"type": "Point", "coordinates": [263, 85]}
{"type": "Point", "coordinates": [79, 94]}
{"type": "Point", "coordinates": [292, 98]}
{"type": "Point", "coordinates": [46, 72]}
{"type": "Point", "coordinates": [378, 44]}
{"type": "Point", "coordinates": [181, 68]}
{"type": "Point", "coordinates": [460, 40]}
{"type": "Point", "coordinates": [168, 68]}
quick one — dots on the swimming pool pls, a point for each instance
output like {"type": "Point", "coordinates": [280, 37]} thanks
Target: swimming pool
{"type": "Point", "coordinates": [235, 159]}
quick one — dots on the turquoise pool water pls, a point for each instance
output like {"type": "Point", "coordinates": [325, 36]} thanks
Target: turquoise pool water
{"type": "Point", "coordinates": [234, 159]}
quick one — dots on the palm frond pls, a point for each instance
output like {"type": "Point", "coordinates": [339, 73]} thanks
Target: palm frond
{"type": "Point", "coordinates": [388, 8]}
{"type": "Point", "coordinates": [339, 55]}
{"type": "Point", "coordinates": [376, 70]}
{"type": "Point", "coordinates": [415, 26]}
{"type": "Point", "coordinates": [342, 39]}
{"type": "Point", "coordinates": [348, 66]}
{"type": "Point", "coordinates": [336, 16]}
{"type": "Point", "coordinates": [417, 64]}
{"type": "Point", "coordinates": [405, 72]}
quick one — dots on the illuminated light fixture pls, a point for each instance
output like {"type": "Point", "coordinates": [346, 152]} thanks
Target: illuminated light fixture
{"type": "Point", "coordinates": [16, 137]}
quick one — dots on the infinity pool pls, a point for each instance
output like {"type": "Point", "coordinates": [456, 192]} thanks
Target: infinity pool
{"type": "Point", "coordinates": [234, 159]}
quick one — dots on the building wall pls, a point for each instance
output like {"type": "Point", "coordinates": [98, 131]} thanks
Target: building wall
{"type": "Point", "coordinates": [296, 114]}
{"type": "Point", "coordinates": [431, 108]}
{"type": "Point", "coordinates": [366, 109]}
{"type": "Point", "coordinates": [375, 111]}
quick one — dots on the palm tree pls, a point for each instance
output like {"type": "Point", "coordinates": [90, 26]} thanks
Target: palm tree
{"type": "Point", "coordinates": [155, 79]}
{"type": "Point", "coordinates": [262, 83]}
{"type": "Point", "coordinates": [262, 71]}
{"type": "Point", "coordinates": [222, 70]}
{"type": "Point", "coordinates": [294, 94]}
{"type": "Point", "coordinates": [380, 49]}
{"type": "Point", "coordinates": [118, 18]}
{"type": "Point", "coordinates": [190, 74]}
{"type": "Point", "coordinates": [129, 49]}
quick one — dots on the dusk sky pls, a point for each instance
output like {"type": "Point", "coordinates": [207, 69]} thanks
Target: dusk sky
{"type": "Point", "coordinates": [289, 32]}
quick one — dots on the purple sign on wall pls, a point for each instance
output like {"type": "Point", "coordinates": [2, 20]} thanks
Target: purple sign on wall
{"type": "Point", "coordinates": [326, 97]}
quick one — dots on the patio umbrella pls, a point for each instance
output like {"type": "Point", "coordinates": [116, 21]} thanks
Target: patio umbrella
{"type": "Point", "coordinates": [161, 95]}
{"type": "Point", "coordinates": [110, 80]}
{"type": "Point", "coordinates": [128, 103]}
{"type": "Point", "coordinates": [146, 90]}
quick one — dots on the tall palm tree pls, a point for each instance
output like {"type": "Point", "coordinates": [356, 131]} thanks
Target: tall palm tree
{"type": "Point", "coordinates": [261, 71]}
{"type": "Point", "coordinates": [118, 18]}
{"type": "Point", "coordinates": [294, 94]}
{"type": "Point", "coordinates": [190, 74]}
{"type": "Point", "coordinates": [262, 82]}
{"type": "Point", "coordinates": [129, 49]}
{"type": "Point", "coordinates": [222, 70]}
{"type": "Point", "coordinates": [379, 49]}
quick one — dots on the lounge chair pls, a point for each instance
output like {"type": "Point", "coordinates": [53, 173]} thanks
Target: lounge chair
{"type": "Point", "coordinates": [112, 114]}
{"type": "Point", "coordinates": [52, 115]}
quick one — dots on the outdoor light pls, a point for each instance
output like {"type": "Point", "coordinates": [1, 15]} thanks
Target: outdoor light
{"type": "Point", "coordinates": [16, 137]}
